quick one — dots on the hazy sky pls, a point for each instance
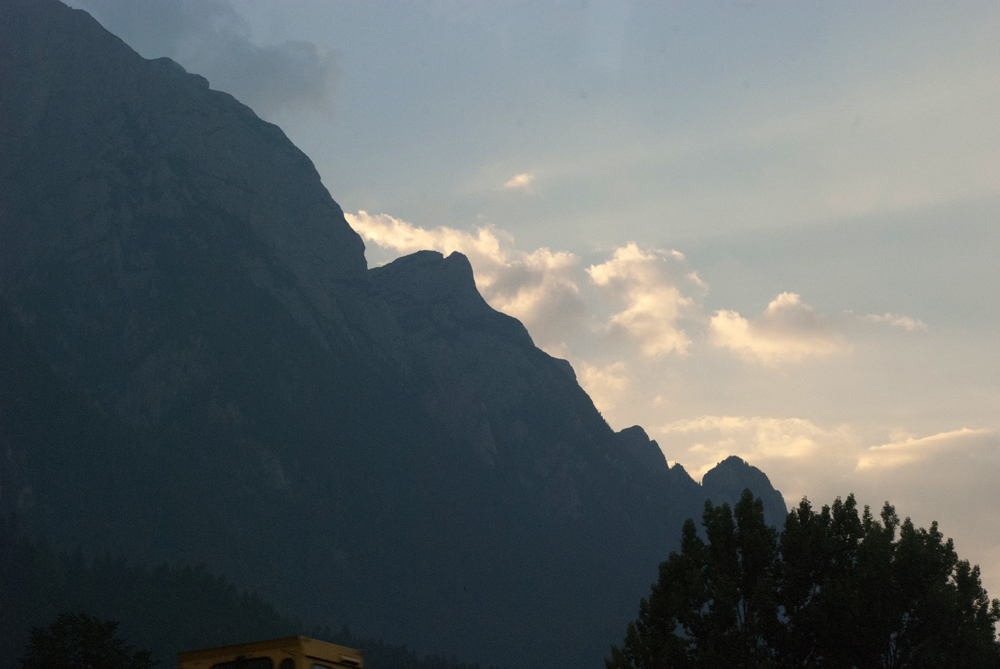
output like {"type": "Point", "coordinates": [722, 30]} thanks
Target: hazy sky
{"type": "Point", "coordinates": [768, 229]}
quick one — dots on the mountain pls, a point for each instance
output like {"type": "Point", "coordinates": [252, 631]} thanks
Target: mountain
{"type": "Point", "coordinates": [198, 367]}
{"type": "Point", "coordinates": [727, 480]}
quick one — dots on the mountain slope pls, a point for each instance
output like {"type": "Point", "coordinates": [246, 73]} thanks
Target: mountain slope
{"type": "Point", "coordinates": [200, 368]}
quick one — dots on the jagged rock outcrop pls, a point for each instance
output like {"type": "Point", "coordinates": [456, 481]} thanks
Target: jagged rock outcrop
{"type": "Point", "coordinates": [198, 367]}
{"type": "Point", "coordinates": [725, 483]}
{"type": "Point", "coordinates": [635, 441]}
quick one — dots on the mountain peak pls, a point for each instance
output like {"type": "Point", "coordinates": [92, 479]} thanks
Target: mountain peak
{"type": "Point", "coordinates": [726, 481]}
{"type": "Point", "coordinates": [635, 440]}
{"type": "Point", "coordinates": [441, 292]}
{"type": "Point", "coordinates": [427, 277]}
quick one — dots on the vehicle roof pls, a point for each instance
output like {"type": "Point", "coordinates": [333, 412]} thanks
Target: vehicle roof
{"type": "Point", "coordinates": [312, 648]}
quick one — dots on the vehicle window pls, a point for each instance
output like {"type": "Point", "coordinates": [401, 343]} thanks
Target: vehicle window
{"type": "Point", "coordinates": [246, 663]}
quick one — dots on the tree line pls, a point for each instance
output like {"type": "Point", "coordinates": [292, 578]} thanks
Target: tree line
{"type": "Point", "coordinates": [836, 588]}
{"type": "Point", "coordinates": [58, 610]}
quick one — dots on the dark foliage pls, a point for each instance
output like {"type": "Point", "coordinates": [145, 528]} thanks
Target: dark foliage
{"type": "Point", "coordinates": [834, 589]}
{"type": "Point", "coordinates": [80, 641]}
{"type": "Point", "coordinates": [166, 609]}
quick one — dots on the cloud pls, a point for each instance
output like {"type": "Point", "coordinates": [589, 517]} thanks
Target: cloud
{"type": "Point", "coordinates": [653, 303]}
{"type": "Point", "coordinates": [905, 322]}
{"type": "Point", "coordinates": [483, 248]}
{"type": "Point", "coordinates": [824, 462]}
{"type": "Point", "coordinates": [646, 296]}
{"type": "Point", "coordinates": [608, 385]}
{"type": "Point", "coordinates": [787, 331]}
{"type": "Point", "coordinates": [950, 477]}
{"type": "Point", "coordinates": [552, 294]}
{"type": "Point", "coordinates": [635, 298]}
{"type": "Point", "coordinates": [910, 450]}
{"type": "Point", "coordinates": [693, 277]}
{"type": "Point", "coordinates": [210, 38]}
{"type": "Point", "coordinates": [795, 453]}
{"type": "Point", "coordinates": [539, 288]}
{"type": "Point", "coordinates": [604, 384]}
{"type": "Point", "coordinates": [521, 182]}
{"type": "Point", "coordinates": [754, 438]}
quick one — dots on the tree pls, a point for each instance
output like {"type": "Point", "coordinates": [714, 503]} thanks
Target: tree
{"type": "Point", "coordinates": [80, 641]}
{"type": "Point", "coordinates": [715, 603]}
{"type": "Point", "coordinates": [834, 589]}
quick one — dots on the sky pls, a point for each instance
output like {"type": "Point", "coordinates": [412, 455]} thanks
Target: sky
{"type": "Point", "coordinates": [767, 229]}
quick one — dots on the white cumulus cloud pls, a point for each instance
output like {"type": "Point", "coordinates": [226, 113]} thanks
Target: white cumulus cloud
{"type": "Point", "coordinates": [709, 439]}
{"type": "Point", "coordinates": [950, 477]}
{"type": "Point", "coordinates": [520, 182]}
{"type": "Point", "coordinates": [788, 331]}
{"type": "Point", "coordinates": [795, 453]}
{"type": "Point", "coordinates": [483, 249]}
{"type": "Point", "coordinates": [605, 384]}
{"type": "Point", "coordinates": [644, 281]}
{"type": "Point", "coordinates": [805, 458]}
{"type": "Point", "coordinates": [910, 450]}
{"type": "Point", "coordinates": [895, 320]}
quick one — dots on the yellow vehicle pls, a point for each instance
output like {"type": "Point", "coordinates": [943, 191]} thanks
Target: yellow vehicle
{"type": "Point", "coordinates": [293, 652]}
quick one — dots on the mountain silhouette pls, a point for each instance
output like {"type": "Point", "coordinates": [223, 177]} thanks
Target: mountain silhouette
{"type": "Point", "coordinates": [198, 367]}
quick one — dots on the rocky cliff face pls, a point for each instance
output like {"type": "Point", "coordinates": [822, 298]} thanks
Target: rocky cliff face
{"type": "Point", "coordinates": [197, 366]}
{"type": "Point", "coordinates": [163, 172]}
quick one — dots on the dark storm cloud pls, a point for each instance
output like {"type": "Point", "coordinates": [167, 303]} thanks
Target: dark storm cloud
{"type": "Point", "coordinates": [209, 38]}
